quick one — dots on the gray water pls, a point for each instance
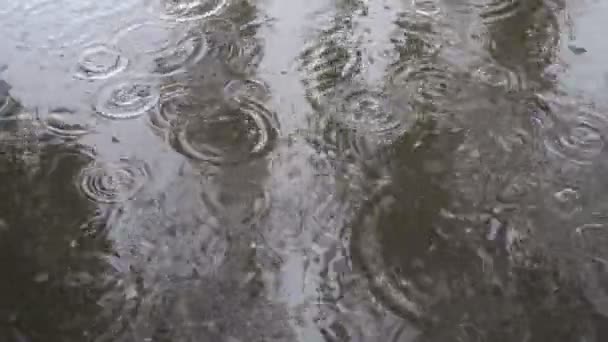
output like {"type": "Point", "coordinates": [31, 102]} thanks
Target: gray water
{"type": "Point", "coordinates": [323, 170]}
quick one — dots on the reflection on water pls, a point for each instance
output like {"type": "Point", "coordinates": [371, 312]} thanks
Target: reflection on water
{"type": "Point", "coordinates": [240, 170]}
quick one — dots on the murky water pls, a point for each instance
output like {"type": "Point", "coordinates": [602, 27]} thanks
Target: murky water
{"type": "Point", "coordinates": [325, 170]}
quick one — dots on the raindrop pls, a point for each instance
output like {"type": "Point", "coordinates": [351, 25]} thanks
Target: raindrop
{"type": "Point", "coordinates": [127, 99]}
{"type": "Point", "coordinates": [113, 181]}
{"type": "Point", "coordinates": [100, 62]}
{"type": "Point", "coordinates": [227, 135]}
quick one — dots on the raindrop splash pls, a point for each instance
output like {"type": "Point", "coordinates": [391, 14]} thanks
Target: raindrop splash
{"type": "Point", "coordinates": [100, 62]}
{"type": "Point", "coordinates": [127, 99]}
{"type": "Point", "coordinates": [113, 182]}
{"type": "Point", "coordinates": [227, 135]}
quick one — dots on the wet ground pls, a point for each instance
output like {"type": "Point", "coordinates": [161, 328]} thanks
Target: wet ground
{"type": "Point", "coordinates": [323, 170]}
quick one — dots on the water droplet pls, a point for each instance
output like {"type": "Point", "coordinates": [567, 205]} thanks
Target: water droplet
{"type": "Point", "coordinates": [114, 181]}
{"type": "Point", "coordinates": [227, 135]}
{"type": "Point", "coordinates": [127, 99]}
{"type": "Point", "coordinates": [100, 62]}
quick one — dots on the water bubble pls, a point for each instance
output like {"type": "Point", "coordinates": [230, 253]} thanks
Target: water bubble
{"type": "Point", "coordinates": [113, 182]}
{"type": "Point", "coordinates": [100, 62]}
{"type": "Point", "coordinates": [188, 10]}
{"type": "Point", "coordinates": [227, 135]}
{"type": "Point", "coordinates": [127, 99]}
{"type": "Point", "coordinates": [65, 122]}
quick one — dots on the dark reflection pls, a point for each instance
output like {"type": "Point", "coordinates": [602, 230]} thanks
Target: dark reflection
{"type": "Point", "coordinates": [52, 277]}
{"type": "Point", "coordinates": [445, 245]}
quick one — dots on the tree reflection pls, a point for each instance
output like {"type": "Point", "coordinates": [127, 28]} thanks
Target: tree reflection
{"type": "Point", "coordinates": [51, 275]}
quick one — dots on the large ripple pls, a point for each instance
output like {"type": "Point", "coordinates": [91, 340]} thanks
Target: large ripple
{"type": "Point", "coordinates": [227, 135]}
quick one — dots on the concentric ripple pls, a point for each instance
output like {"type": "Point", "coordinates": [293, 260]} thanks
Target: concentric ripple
{"type": "Point", "coordinates": [227, 135]}
{"type": "Point", "coordinates": [114, 181]}
{"type": "Point", "coordinates": [100, 62]}
{"type": "Point", "coordinates": [65, 122]}
{"type": "Point", "coordinates": [372, 112]}
{"type": "Point", "coordinates": [127, 99]}
{"type": "Point", "coordinates": [162, 48]}
{"type": "Point", "coordinates": [577, 133]}
{"type": "Point", "coordinates": [175, 101]}
{"type": "Point", "coordinates": [188, 10]}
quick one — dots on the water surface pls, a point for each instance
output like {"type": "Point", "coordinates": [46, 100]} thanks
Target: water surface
{"type": "Point", "coordinates": [329, 170]}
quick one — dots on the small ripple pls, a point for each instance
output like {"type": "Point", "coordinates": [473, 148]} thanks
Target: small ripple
{"type": "Point", "coordinates": [65, 122]}
{"type": "Point", "coordinates": [492, 11]}
{"type": "Point", "coordinates": [429, 8]}
{"type": "Point", "coordinates": [127, 99]}
{"type": "Point", "coordinates": [497, 76]}
{"type": "Point", "coordinates": [577, 133]}
{"type": "Point", "coordinates": [372, 112]}
{"type": "Point", "coordinates": [189, 10]}
{"type": "Point", "coordinates": [63, 24]}
{"type": "Point", "coordinates": [113, 182]}
{"type": "Point", "coordinates": [227, 135]}
{"type": "Point", "coordinates": [239, 202]}
{"type": "Point", "coordinates": [162, 48]}
{"type": "Point", "coordinates": [249, 89]}
{"type": "Point", "coordinates": [100, 62]}
{"type": "Point", "coordinates": [424, 83]}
